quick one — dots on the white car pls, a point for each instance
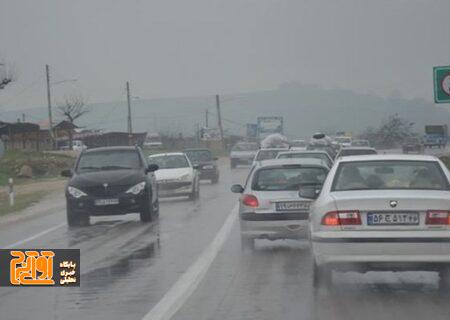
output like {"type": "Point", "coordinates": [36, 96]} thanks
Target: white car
{"type": "Point", "coordinates": [268, 154]}
{"type": "Point", "coordinates": [344, 141]}
{"type": "Point", "coordinates": [270, 206]}
{"type": "Point", "coordinates": [381, 212]}
{"type": "Point", "coordinates": [78, 145]}
{"type": "Point", "coordinates": [243, 153]}
{"type": "Point", "coordinates": [298, 144]}
{"type": "Point", "coordinates": [176, 175]}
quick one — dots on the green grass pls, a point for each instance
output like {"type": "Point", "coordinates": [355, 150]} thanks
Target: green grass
{"type": "Point", "coordinates": [21, 201]}
{"type": "Point", "coordinates": [44, 165]}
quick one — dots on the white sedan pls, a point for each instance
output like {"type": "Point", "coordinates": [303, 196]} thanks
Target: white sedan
{"type": "Point", "coordinates": [381, 212]}
{"type": "Point", "coordinates": [176, 175]}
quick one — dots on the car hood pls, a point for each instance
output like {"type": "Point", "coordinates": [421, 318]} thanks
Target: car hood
{"type": "Point", "coordinates": [111, 177]}
{"type": "Point", "coordinates": [171, 174]}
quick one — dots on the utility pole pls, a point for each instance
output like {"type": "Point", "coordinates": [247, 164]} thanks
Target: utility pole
{"type": "Point", "coordinates": [130, 126]}
{"type": "Point", "coordinates": [219, 120]}
{"type": "Point", "coordinates": [206, 118]}
{"type": "Point", "coordinates": [23, 117]}
{"type": "Point", "coordinates": [49, 102]}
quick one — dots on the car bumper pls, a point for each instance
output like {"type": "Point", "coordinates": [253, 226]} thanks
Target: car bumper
{"type": "Point", "coordinates": [207, 174]}
{"type": "Point", "coordinates": [274, 226]}
{"type": "Point", "coordinates": [381, 251]}
{"type": "Point", "coordinates": [127, 204]}
{"type": "Point", "coordinates": [177, 189]}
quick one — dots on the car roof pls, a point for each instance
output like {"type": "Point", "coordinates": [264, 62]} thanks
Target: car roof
{"type": "Point", "coordinates": [167, 154]}
{"type": "Point", "coordinates": [301, 161]}
{"type": "Point", "coordinates": [375, 157]}
{"type": "Point", "coordinates": [119, 148]}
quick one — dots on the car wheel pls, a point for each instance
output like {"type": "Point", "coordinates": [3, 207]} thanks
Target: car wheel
{"type": "Point", "coordinates": [247, 244]}
{"type": "Point", "coordinates": [146, 213]}
{"type": "Point", "coordinates": [322, 276]}
{"type": "Point", "coordinates": [76, 220]}
{"type": "Point", "coordinates": [195, 193]}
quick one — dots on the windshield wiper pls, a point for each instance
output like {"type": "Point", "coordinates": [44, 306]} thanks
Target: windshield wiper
{"type": "Point", "coordinates": [114, 167]}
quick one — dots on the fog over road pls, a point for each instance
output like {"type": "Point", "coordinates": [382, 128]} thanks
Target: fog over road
{"type": "Point", "coordinates": [127, 267]}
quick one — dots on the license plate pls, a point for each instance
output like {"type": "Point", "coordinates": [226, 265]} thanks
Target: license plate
{"type": "Point", "coordinates": [106, 202]}
{"type": "Point", "coordinates": [395, 219]}
{"type": "Point", "coordinates": [292, 205]}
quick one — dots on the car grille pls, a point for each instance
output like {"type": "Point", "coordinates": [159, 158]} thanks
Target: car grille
{"type": "Point", "coordinates": [101, 191]}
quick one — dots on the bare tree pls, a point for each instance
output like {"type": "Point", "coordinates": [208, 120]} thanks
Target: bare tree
{"type": "Point", "coordinates": [6, 75]}
{"type": "Point", "coordinates": [73, 108]}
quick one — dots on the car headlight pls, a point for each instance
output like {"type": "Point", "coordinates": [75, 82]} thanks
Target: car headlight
{"type": "Point", "coordinates": [137, 188]}
{"type": "Point", "coordinates": [185, 177]}
{"type": "Point", "coordinates": [76, 193]}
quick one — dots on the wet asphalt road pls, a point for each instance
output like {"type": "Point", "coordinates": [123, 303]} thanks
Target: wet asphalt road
{"type": "Point", "coordinates": [127, 267]}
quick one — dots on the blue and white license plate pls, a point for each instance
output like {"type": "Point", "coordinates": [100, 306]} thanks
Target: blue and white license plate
{"type": "Point", "coordinates": [292, 205]}
{"type": "Point", "coordinates": [394, 219]}
{"type": "Point", "coordinates": [106, 202]}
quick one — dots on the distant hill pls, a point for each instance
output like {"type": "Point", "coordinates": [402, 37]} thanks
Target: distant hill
{"type": "Point", "coordinates": [305, 109]}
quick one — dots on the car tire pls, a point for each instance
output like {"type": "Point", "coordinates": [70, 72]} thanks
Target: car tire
{"type": "Point", "coordinates": [247, 244]}
{"type": "Point", "coordinates": [322, 276]}
{"type": "Point", "coordinates": [146, 213]}
{"type": "Point", "coordinates": [195, 194]}
{"type": "Point", "coordinates": [76, 220]}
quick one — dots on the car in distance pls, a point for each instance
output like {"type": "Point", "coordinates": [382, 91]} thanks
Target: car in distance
{"type": "Point", "coordinates": [176, 175]}
{"type": "Point", "coordinates": [243, 153]}
{"type": "Point", "coordinates": [381, 212]}
{"type": "Point", "coordinates": [343, 141]}
{"type": "Point", "coordinates": [360, 143]}
{"type": "Point", "coordinates": [207, 163]}
{"type": "Point", "coordinates": [111, 181]}
{"type": "Point", "coordinates": [414, 145]}
{"type": "Point", "coordinates": [313, 154]}
{"type": "Point", "coordinates": [297, 144]}
{"type": "Point", "coordinates": [270, 206]}
{"type": "Point", "coordinates": [355, 151]}
{"type": "Point", "coordinates": [268, 154]}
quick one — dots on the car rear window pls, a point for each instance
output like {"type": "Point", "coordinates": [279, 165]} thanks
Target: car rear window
{"type": "Point", "coordinates": [267, 154]}
{"type": "Point", "coordinates": [319, 156]}
{"type": "Point", "coordinates": [287, 178]}
{"type": "Point", "coordinates": [199, 155]}
{"type": "Point", "coordinates": [393, 174]}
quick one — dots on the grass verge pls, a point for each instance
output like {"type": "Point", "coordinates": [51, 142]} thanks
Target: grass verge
{"type": "Point", "coordinates": [22, 201]}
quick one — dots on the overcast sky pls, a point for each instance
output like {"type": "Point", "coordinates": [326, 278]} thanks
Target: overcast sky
{"type": "Point", "coordinates": [172, 48]}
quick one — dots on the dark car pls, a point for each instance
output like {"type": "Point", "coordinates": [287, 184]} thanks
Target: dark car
{"type": "Point", "coordinates": [111, 181]}
{"type": "Point", "coordinates": [206, 163]}
{"type": "Point", "coordinates": [413, 145]}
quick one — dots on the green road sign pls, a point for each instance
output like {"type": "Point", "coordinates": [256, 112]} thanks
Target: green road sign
{"type": "Point", "coordinates": [441, 76]}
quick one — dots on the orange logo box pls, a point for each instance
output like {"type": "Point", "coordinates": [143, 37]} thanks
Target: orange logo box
{"type": "Point", "coordinates": [40, 267]}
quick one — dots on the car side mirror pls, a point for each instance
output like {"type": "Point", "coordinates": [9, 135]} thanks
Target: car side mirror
{"type": "Point", "coordinates": [237, 188]}
{"type": "Point", "coordinates": [309, 192]}
{"type": "Point", "coordinates": [196, 166]}
{"type": "Point", "coordinates": [67, 173]}
{"type": "Point", "coordinates": [152, 167]}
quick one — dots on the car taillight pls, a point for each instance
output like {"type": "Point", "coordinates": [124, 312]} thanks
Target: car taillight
{"type": "Point", "coordinates": [438, 217]}
{"type": "Point", "coordinates": [342, 218]}
{"type": "Point", "coordinates": [250, 201]}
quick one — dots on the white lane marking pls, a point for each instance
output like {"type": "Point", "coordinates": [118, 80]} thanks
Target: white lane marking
{"type": "Point", "coordinates": [177, 295]}
{"type": "Point", "coordinates": [37, 235]}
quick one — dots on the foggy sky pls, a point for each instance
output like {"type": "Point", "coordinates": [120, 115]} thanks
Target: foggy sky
{"type": "Point", "coordinates": [173, 48]}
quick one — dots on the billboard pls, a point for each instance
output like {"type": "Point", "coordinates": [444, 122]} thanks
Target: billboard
{"type": "Point", "coordinates": [269, 125]}
{"type": "Point", "coordinates": [210, 134]}
{"type": "Point", "coordinates": [252, 130]}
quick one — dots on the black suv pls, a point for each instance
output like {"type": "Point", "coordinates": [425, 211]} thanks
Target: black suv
{"type": "Point", "coordinates": [206, 163]}
{"type": "Point", "coordinates": [111, 181]}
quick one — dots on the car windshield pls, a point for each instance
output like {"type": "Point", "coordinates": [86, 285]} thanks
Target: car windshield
{"type": "Point", "coordinates": [311, 155]}
{"type": "Point", "coordinates": [108, 160]}
{"type": "Point", "coordinates": [287, 178]}
{"type": "Point", "coordinates": [267, 155]}
{"type": "Point", "coordinates": [170, 161]}
{"type": "Point", "coordinates": [356, 152]}
{"type": "Point", "coordinates": [245, 147]}
{"type": "Point", "coordinates": [199, 155]}
{"type": "Point", "coordinates": [374, 175]}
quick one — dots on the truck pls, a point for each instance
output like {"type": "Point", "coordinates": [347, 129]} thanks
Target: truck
{"type": "Point", "coordinates": [436, 135]}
